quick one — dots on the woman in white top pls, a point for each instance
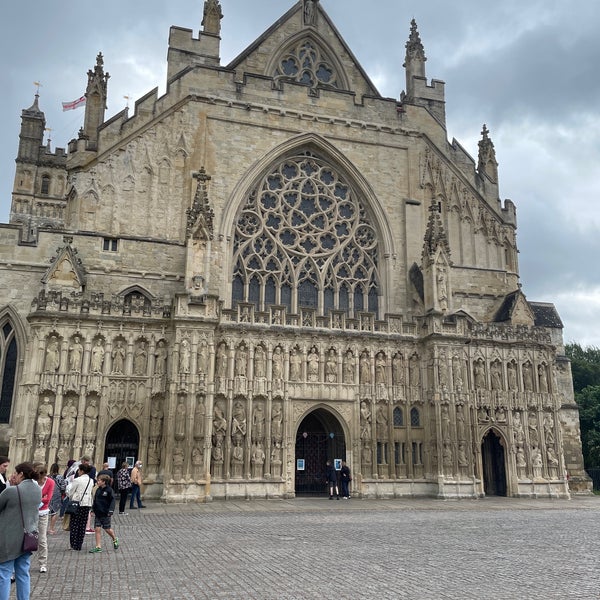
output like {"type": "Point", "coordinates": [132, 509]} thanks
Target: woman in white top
{"type": "Point", "coordinates": [80, 489]}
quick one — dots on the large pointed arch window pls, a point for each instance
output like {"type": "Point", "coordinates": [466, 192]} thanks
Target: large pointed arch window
{"type": "Point", "coordinates": [8, 369]}
{"type": "Point", "coordinates": [304, 240]}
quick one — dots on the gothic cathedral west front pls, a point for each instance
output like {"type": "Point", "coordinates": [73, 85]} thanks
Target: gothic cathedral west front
{"type": "Point", "coordinates": [271, 266]}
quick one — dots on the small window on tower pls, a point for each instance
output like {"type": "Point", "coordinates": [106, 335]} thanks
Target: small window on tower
{"type": "Point", "coordinates": [110, 245]}
{"type": "Point", "coordinates": [45, 189]}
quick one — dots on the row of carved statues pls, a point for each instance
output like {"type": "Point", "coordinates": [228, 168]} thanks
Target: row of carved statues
{"type": "Point", "coordinates": [350, 366]}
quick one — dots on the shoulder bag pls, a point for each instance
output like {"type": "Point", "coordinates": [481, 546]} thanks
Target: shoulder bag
{"type": "Point", "coordinates": [30, 538]}
{"type": "Point", "coordinates": [73, 505]}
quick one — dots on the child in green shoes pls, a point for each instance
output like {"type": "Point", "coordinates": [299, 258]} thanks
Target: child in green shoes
{"type": "Point", "coordinates": [103, 507]}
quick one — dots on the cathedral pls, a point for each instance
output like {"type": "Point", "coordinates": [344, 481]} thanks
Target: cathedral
{"type": "Point", "coordinates": [272, 266]}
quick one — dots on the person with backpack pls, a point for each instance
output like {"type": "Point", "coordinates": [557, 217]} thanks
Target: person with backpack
{"type": "Point", "coordinates": [103, 508]}
{"type": "Point", "coordinates": [60, 485]}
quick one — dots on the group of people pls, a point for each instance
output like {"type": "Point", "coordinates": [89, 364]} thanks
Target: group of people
{"type": "Point", "coordinates": [33, 499]}
{"type": "Point", "coordinates": [333, 479]}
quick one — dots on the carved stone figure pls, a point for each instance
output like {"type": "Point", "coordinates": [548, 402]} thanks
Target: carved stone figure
{"type": "Point", "coordinates": [140, 359]}
{"type": "Point", "coordinates": [97, 357]}
{"type": "Point", "coordinates": [44, 419]}
{"type": "Point", "coordinates": [442, 288]}
{"type": "Point", "coordinates": [518, 432]}
{"type": "Point", "coordinates": [349, 367]}
{"type": "Point", "coordinates": [542, 379]}
{"type": "Point", "coordinates": [160, 354]}
{"type": "Point", "coordinates": [52, 356]}
{"type": "Point", "coordinates": [177, 463]}
{"type": "Point", "coordinates": [381, 419]}
{"type": "Point", "coordinates": [241, 361]}
{"type": "Point", "coordinates": [457, 373]}
{"type": "Point", "coordinates": [221, 361]}
{"type": "Point", "coordinates": [496, 375]}
{"type": "Point", "coordinates": [549, 429]}
{"type": "Point", "coordinates": [239, 424]}
{"type": "Point", "coordinates": [258, 422]}
{"type": "Point", "coordinates": [260, 369]}
{"type": "Point", "coordinates": [199, 415]}
{"type": "Point", "coordinates": [90, 423]}
{"type": "Point", "coordinates": [295, 365]}
{"type": "Point", "coordinates": [414, 373]}
{"type": "Point", "coordinates": [527, 377]}
{"type": "Point", "coordinates": [445, 418]}
{"type": "Point", "coordinates": [479, 375]}
{"type": "Point", "coordinates": [309, 12]}
{"type": "Point", "coordinates": [118, 358]}
{"type": "Point", "coordinates": [532, 423]}
{"type": "Point", "coordinates": [68, 420]}
{"type": "Point", "coordinates": [277, 367]}
{"type": "Point", "coordinates": [331, 367]}
{"type": "Point", "coordinates": [184, 356]}
{"type": "Point", "coordinates": [381, 369]}
{"type": "Point", "coordinates": [511, 369]}
{"type": "Point", "coordinates": [398, 369]}
{"type": "Point", "coordinates": [365, 421]}
{"type": "Point", "coordinates": [277, 422]}
{"type": "Point", "coordinates": [180, 419]}
{"type": "Point", "coordinates": [312, 365]}
{"type": "Point", "coordinates": [219, 424]}
{"type": "Point", "coordinates": [156, 418]}
{"type": "Point", "coordinates": [461, 430]}
{"type": "Point", "coordinates": [551, 457]}
{"type": "Point", "coordinates": [364, 367]}
{"type": "Point", "coordinates": [75, 355]}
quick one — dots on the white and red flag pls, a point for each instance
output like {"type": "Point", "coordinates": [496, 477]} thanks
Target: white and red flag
{"type": "Point", "coordinates": [73, 105]}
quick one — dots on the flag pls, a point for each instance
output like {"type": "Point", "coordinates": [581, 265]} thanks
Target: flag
{"type": "Point", "coordinates": [73, 105]}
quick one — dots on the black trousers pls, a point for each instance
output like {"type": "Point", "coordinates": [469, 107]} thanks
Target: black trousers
{"type": "Point", "coordinates": [123, 499]}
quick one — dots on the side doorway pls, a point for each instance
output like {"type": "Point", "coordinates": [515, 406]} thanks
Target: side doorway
{"type": "Point", "coordinates": [319, 438]}
{"type": "Point", "coordinates": [493, 458]}
{"type": "Point", "coordinates": [122, 443]}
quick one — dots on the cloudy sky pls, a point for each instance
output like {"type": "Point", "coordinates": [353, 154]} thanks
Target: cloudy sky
{"type": "Point", "coordinates": [529, 70]}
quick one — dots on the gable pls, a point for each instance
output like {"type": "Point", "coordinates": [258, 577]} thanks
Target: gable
{"type": "Point", "coordinates": [305, 49]}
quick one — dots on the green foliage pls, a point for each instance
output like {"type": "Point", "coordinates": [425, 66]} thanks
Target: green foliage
{"type": "Point", "coordinates": [585, 366]}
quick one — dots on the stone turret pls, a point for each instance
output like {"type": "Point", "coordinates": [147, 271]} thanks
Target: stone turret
{"type": "Point", "coordinates": [186, 51]}
{"type": "Point", "coordinates": [31, 137]}
{"type": "Point", "coordinates": [418, 92]}
{"type": "Point", "coordinates": [487, 164]}
{"type": "Point", "coordinates": [95, 93]}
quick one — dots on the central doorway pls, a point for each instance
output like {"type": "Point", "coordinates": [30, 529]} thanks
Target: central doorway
{"type": "Point", "coordinates": [319, 438]}
{"type": "Point", "coordinates": [494, 465]}
{"type": "Point", "coordinates": [123, 443]}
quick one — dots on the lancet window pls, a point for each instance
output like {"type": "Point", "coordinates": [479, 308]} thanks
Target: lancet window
{"type": "Point", "coordinates": [8, 369]}
{"type": "Point", "coordinates": [304, 240]}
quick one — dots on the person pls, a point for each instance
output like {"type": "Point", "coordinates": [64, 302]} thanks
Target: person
{"type": "Point", "coordinates": [331, 478]}
{"type": "Point", "coordinates": [103, 508]}
{"type": "Point", "coordinates": [106, 470]}
{"type": "Point", "coordinates": [136, 486]}
{"type": "Point", "coordinates": [80, 489]}
{"type": "Point", "coordinates": [56, 502]}
{"type": "Point", "coordinates": [19, 500]}
{"type": "Point", "coordinates": [124, 483]}
{"type": "Point", "coordinates": [4, 462]}
{"type": "Point", "coordinates": [47, 485]}
{"type": "Point", "coordinates": [346, 479]}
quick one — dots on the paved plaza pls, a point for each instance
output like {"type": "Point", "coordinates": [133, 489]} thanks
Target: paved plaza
{"type": "Point", "coordinates": [418, 549]}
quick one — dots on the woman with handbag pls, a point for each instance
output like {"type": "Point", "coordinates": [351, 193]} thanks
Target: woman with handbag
{"type": "Point", "coordinates": [80, 502]}
{"type": "Point", "coordinates": [18, 514]}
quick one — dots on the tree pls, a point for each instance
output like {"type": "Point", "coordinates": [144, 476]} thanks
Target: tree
{"type": "Point", "coordinates": [585, 366]}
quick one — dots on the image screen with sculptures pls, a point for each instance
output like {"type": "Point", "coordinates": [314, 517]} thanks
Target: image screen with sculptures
{"type": "Point", "coordinates": [342, 286]}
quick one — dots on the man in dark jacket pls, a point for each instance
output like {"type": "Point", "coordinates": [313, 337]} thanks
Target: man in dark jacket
{"type": "Point", "coordinates": [103, 508]}
{"type": "Point", "coordinates": [346, 479]}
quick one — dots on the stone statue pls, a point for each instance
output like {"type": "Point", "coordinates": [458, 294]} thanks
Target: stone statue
{"type": "Point", "coordinates": [177, 463]}
{"type": "Point", "coordinates": [238, 421]}
{"type": "Point", "coordinates": [118, 358]}
{"type": "Point", "coordinates": [445, 417]}
{"type": "Point", "coordinates": [414, 372]}
{"type": "Point", "coordinates": [68, 420]}
{"type": "Point", "coordinates": [277, 367]}
{"type": "Point", "coordinates": [295, 365]}
{"type": "Point", "coordinates": [382, 421]}
{"type": "Point", "coordinates": [184, 356]}
{"type": "Point", "coordinates": [219, 425]}
{"type": "Point", "coordinates": [398, 369]}
{"type": "Point", "coordinates": [331, 367]}
{"type": "Point", "coordinates": [496, 375]}
{"type": "Point", "coordinates": [258, 422]}
{"type": "Point", "coordinates": [511, 369]}
{"type": "Point", "coordinates": [44, 420]}
{"type": "Point", "coordinates": [97, 357]}
{"type": "Point", "coordinates": [312, 365]}
{"type": "Point", "coordinates": [52, 356]}
{"type": "Point", "coordinates": [277, 422]}
{"type": "Point", "coordinates": [380, 369]}
{"type": "Point", "coordinates": [365, 421]}
{"type": "Point", "coordinates": [542, 379]}
{"type": "Point", "coordinates": [140, 359]}
{"type": "Point", "coordinates": [199, 419]}
{"type": "Point", "coordinates": [309, 12]}
{"type": "Point", "coordinates": [241, 361]}
{"type": "Point", "coordinates": [91, 418]}
{"type": "Point", "coordinates": [527, 377]}
{"type": "Point", "coordinates": [479, 375]}
{"type": "Point", "coordinates": [156, 417]}
{"type": "Point", "coordinates": [259, 362]}
{"type": "Point", "coordinates": [349, 366]}
{"type": "Point", "coordinates": [221, 361]}
{"type": "Point", "coordinates": [442, 288]}
{"type": "Point", "coordinates": [75, 355]}
{"type": "Point", "coordinates": [160, 356]}
{"type": "Point", "coordinates": [519, 434]}
{"type": "Point", "coordinates": [457, 373]}
{"type": "Point", "coordinates": [461, 430]}
{"type": "Point", "coordinates": [364, 367]}
{"type": "Point", "coordinates": [180, 419]}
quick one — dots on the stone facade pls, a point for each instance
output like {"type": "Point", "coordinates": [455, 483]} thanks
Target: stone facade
{"type": "Point", "coordinates": [269, 266]}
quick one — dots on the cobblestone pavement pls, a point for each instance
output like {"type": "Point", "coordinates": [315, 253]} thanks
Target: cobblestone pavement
{"type": "Point", "coordinates": [418, 549]}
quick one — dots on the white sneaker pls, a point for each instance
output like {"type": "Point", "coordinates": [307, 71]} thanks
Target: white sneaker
{"type": "Point", "coordinates": [43, 569]}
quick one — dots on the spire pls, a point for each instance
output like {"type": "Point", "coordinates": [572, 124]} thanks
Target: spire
{"type": "Point", "coordinates": [200, 215]}
{"type": "Point", "coordinates": [487, 157]}
{"type": "Point", "coordinates": [95, 93]}
{"type": "Point", "coordinates": [414, 64]}
{"type": "Point", "coordinates": [435, 235]}
{"type": "Point", "coordinates": [211, 19]}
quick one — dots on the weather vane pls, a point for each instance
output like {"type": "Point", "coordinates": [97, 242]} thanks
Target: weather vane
{"type": "Point", "coordinates": [38, 85]}
{"type": "Point", "coordinates": [127, 98]}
